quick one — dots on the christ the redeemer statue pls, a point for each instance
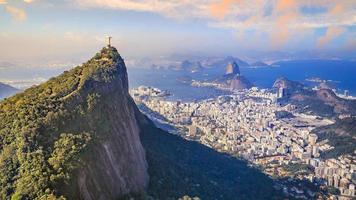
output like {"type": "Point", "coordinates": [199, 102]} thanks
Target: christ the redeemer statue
{"type": "Point", "coordinates": [109, 41]}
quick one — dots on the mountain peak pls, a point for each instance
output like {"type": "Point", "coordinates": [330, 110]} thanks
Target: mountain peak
{"type": "Point", "coordinates": [232, 68]}
{"type": "Point", "coordinates": [81, 122]}
{"type": "Point", "coordinates": [108, 52]}
{"type": "Point", "coordinates": [106, 68]}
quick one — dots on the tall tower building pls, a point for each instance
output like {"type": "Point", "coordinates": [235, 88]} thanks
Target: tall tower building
{"type": "Point", "coordinates": [281, 92]}
{"type": "Point", "coordinates": [312, 139]}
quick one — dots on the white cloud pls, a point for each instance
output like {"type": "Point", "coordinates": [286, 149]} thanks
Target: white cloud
{"type": "Point", "coordinates": [331, 33]}
{"type": "Point", "coordinates": [244, 15]}
{"type": "Point", "coordinates": [172, 8]}
{"type": "Point", "coordinates": [16, 13]}
{"type": "Point", "coordinates": [235, 10]}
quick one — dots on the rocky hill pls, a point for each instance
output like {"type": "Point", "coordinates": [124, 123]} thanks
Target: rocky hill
{"type": "Point", "coordinates": [233, 79]}
{"type": "Point", "coordinates": [289, 85]}
{"type": "Point", "coordinates": [81, 136]}
{"type": "Point", "coordinates": [6, 90]}
{"type": "Point", "coordinates": [323, 102]}
{"type": "Point", "coordinates": [75, 136]}
{"type": "Point", "coordinates": [232, 68]}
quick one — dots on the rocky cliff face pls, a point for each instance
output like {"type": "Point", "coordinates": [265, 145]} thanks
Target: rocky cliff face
{"type": "Point", "coordinates": [119, 159]}
{"type": "Point", "coordinates": [232, 78]}
{"type": "Point", "coordinates": [232, 68]}
{"type": "Point", "coordinates": [81, 125]}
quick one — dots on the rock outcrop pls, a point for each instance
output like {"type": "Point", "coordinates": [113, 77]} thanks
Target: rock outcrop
{"type": "Point", "coordinates": [232, 79]}
{"type": "Point", "coordinates": [119, 158]}
{"type": "Point", "coordinates": [232, 68]}
{"type": "Point", "coordinates": [79, 133]}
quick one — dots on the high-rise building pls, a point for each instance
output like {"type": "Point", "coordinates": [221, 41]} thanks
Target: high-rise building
{"type": "Point", "coordinates": [352, 189]}
{"type": "Point", "coordinates": [192, 130]}
{"type": "Point", "coordinates": [346, 93]}
{"type": "Point", "coordinates": [315, 151]}
{"type": "Point", "coordinates": [330, 180]}
{"type": "Point", "coordinates": [312, 139]}
{"type": "Point", "coordinates": [280, 93]}
{"type": "Point", "coordinates": [336, 181]}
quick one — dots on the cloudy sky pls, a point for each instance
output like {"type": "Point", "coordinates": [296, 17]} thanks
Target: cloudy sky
{"type": "Point", "coordinates": [61, 32]}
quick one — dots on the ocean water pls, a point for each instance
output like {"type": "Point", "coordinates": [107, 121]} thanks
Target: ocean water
{"type": "Point", "coordinates": [167, 80]}
{"type": "Point", "coordinates": [341, 76]}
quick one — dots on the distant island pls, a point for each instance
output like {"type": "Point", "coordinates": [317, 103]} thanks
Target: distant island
{"type": "Point", "coordinates": [7, 90]}
{"type": "Point", "coordinates": [259, 64]}
{"type": "Point", "coordinates": [231, 80]}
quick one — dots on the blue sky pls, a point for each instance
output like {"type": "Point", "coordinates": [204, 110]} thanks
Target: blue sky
{"type": "Point", "coordinates": [54, 32]}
